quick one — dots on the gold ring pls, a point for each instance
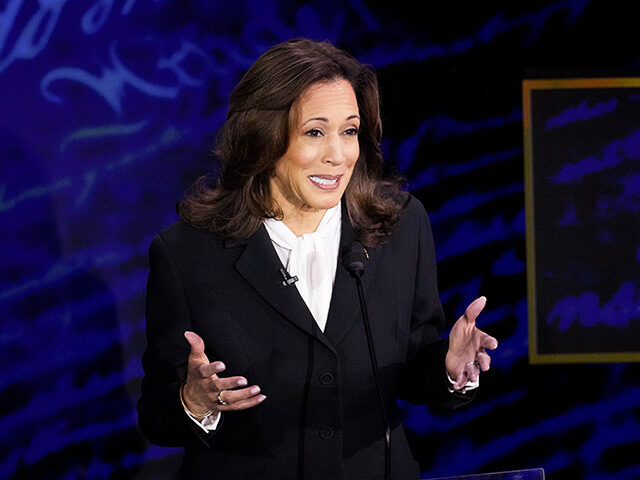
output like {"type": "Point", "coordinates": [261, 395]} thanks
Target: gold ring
{"type": "Point", "coordinates": [221, 399]}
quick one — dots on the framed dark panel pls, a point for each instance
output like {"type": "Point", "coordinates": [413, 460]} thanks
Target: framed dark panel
{"type": "Point", "coordinates": [582, 176]}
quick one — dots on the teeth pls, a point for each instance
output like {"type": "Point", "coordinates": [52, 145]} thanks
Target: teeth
{"type": "Point", "coordinates": [323, 181]}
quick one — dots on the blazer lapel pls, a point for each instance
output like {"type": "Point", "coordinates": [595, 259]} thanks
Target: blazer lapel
{"type": "Point", "coordinates": [345, 304]}
{"type": "Point", "coordinates": [260, 266]}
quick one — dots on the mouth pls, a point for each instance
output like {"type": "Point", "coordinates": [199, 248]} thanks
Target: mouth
{"type": "Point", "coordinates": [325, 182]}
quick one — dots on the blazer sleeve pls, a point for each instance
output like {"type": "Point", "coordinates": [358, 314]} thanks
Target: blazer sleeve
{"type": "Point", "coordinates": [424, 378]}
{"type": "Point", "coordinates": [161, 417]}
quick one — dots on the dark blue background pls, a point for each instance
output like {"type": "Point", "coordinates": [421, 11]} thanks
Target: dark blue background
{"type": "Point", "coordinates": [108, 110]}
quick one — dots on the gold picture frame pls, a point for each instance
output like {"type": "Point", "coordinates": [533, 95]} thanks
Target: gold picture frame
{"type": "Point", "coordinates": [529, 87]}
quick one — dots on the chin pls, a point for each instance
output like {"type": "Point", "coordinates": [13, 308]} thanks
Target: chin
{"type": "Point", "coordinates": [326, 203]}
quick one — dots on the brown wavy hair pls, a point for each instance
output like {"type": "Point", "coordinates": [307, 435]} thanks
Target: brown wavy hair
{"type": "Point", "coordinates": [256, 134]}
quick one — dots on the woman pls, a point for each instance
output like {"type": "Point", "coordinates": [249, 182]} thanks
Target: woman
{"type": "Point", "coordinates": [257, 360]}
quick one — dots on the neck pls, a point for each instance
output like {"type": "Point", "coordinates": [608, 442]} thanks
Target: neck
{"type": "Point", "coordinates": [301, 221]}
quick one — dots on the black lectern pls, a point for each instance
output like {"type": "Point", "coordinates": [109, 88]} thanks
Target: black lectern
{"type": "Point", "coordinates": [533, 474]}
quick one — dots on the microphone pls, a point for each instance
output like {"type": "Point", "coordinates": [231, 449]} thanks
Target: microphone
{"type": "Point", "coordinates": [354, 258]}
{"type": "Point", "coordinates": [287, 279]}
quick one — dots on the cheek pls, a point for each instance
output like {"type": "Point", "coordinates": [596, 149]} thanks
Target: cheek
{"type": "Point", "coordinates": [292, 165]}
{"type": "Point", "coordinates": [301, 160]}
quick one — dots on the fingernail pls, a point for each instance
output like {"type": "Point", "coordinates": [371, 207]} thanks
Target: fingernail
{"type": "Point", "coordinates": [242, 382]}
{"type": "Point", "coordinates": [261, 398]}
{"type": "Point", "coordinates": [219, 367]}
{"type": "Point", "coordinates": [254, 390]}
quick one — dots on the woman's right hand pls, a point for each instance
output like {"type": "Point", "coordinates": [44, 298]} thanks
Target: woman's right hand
{"type": "Point", "coordinates": [203, 386]}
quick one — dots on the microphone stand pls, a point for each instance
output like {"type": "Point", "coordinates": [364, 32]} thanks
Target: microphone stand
{"type": "Point", "coordinates": [353, 260]}
{"type": "Point", "coordinates": [376, 374]}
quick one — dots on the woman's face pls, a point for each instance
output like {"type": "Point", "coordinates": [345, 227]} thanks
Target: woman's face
{"type": "Point", "coordinates": [323, 148]}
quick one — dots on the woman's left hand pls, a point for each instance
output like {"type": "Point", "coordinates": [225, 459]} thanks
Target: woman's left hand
{"type": "Point", "coordinates": [466, 356]}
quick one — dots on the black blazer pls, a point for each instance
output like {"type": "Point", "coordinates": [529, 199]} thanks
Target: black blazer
{"type": "Point", "coordinates": [321, 419]}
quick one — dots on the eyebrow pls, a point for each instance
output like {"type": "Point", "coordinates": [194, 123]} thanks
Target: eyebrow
{"type": "Point", "coordinates": [323, 119]}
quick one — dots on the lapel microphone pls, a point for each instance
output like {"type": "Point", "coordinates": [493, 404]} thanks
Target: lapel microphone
{"type": "Point", "coordinates": [354, 258]}
{"type": "Point", "coordinates": [286, 278]}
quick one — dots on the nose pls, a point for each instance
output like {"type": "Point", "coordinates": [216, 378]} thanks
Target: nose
{"type": "Point", "coordinates": [334, 151]}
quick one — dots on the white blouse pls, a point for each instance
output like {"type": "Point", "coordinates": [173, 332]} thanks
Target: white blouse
{"type": "Point", "coordinates": [312, 257]}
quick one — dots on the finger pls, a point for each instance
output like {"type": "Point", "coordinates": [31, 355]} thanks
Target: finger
{"type": "Point", "coordinates": [484, 361]}
{"type": "Point", "coordinates": [488, 341]}
{"type": "Point", "coordinates": [472, 372]}
{"type": "Point", "coordinates": [474, 309]}
{"type": "Point", "coordinates": [229, 383]}
{"type": "Point", "coordinates": [207, 370]}
{"type": "Point", "coordinates": [461, 381]}
{"type": "Point", "coordinates": [196, 354]}
{"type": "Point", "coordinates": [234, 396]}
{"type": "Point", "coordinates": [244, 404]}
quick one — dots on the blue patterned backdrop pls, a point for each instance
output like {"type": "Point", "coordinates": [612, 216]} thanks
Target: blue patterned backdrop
{"type": "Point", "coordinates": [108, 111]}
{"type": "Point", "coordinates": [586, 152]}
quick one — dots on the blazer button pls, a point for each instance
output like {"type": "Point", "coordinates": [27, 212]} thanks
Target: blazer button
{"type": "Point", "coordinates": [326, 378]}
{"type": "Point", "coordinates": [326, 433]}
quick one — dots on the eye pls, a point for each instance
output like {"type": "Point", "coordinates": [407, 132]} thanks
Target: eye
{"type": "Point", "coordinates": [314, 132]}
{"type": "Point", "coordinates": [352, 132]}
